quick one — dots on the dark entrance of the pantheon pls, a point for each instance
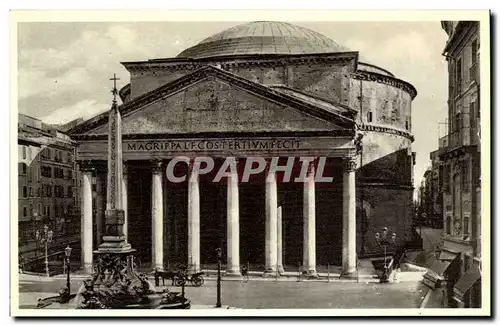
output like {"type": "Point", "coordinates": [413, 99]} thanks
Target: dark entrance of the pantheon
{"type": "Point", "coordinates": [213, 224]}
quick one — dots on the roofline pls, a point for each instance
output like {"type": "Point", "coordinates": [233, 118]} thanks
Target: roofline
{"type": "Point", "coordinates": [375, 66]}
{"type": "Point", "coordinates": [462, 24]}
{"type": "Point", "coordinates": [347, 133]}
{"type": "Point", "coordinates": [332, 102]}
{"type": "Point", "coordinates": [347, 54]}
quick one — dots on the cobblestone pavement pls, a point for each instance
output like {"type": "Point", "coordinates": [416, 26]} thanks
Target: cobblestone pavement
{"type": "Point", "coordinates": [265, 294]}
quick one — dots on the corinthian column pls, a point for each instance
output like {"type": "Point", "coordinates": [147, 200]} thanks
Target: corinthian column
{"type": "Point", "coordinates": [125, 200]}
{"type": "Point", "coordinates": [86, 224]}
{"type": "Point", "coordinates": [100, 204]}
{"type": "Point", "coordinates": [349, 218]}
{"type": "Point", "coordinates": [271, 223]}
{"type": "Point", "coordinates": [193, 220]}
{"type": "Point", "coordinates": [233, 227]}
{"type": "Point", "coordinates": [309, 214]}
{"type": "Point", "coordinates": [157, 216]}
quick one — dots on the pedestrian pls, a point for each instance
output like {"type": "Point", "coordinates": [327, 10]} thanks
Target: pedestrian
{"type": "Point", "coordinates": [399, 257]}
{"type": "Point", "coordinates": [244, 273]}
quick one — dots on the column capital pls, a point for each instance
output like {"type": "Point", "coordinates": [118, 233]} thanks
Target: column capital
{"type": "Point", "coordinates": [156, 166]}
{"type": "Point", "coordinates": [350, 163]}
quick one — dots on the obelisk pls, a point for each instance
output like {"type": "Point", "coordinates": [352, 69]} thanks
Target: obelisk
{"type": "Point", "coordinates": [114, 239]}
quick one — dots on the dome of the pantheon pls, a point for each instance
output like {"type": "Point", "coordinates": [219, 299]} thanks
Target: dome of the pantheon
{"type": "Point", "coordinates": [263, 37]}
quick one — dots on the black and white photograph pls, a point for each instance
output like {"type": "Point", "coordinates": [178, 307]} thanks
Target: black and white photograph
{"type": "Point", "coordinates": [232, 163]}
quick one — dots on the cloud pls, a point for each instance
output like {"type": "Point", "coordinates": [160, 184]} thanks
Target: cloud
{"type": "Point", "coordinates": [35, 82]}
{"type": "Point", "coordinates": [84, 109]}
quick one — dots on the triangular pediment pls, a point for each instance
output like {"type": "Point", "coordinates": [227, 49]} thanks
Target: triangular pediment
{"type": "Point", "coordinates": [218, 101]}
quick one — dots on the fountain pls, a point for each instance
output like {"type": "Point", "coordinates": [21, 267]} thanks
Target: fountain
{"type": "Point", "coordinates": [115, 284]}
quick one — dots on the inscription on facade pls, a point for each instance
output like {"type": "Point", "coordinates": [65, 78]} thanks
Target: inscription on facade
{"type": "Point", "coordinates": [203, 145]}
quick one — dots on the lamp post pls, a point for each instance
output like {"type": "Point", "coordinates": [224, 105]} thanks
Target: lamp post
{"type": "Point", "coordinates": [45, 239]}
{"type": "Point", "coordinates": [219, 258]}
{"type": "Point", "coordinates": [67, 253]}
{"type": "Point", "coordinates": [384, 241]}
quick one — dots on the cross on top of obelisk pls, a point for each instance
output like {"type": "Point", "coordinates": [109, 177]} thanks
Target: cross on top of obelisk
{"type": "Point", "coordinates": [114, 91]}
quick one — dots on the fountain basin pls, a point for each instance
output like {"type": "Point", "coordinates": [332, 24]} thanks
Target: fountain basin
{"type": "Point", "coordinates": [152, 301]}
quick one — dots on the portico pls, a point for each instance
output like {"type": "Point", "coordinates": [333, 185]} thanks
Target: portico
{"type": "Point", "coordinates": [207, 213]}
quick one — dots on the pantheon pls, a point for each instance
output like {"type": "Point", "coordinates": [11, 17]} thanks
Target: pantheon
{"type": "Point", "coordinates": [261, 89]}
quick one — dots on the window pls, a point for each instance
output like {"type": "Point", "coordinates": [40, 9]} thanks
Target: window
{"type": "Point", "coordinates": [25, 192]}
{"type": "Point", "coordinates": [70, 191]}
{"type": "Point", "coordinates": [31, 192]}
{"type": "Point", "coordinates": [448, 224]}
{"type": "Point", "coordinates": [23, 168]}
{"type": "Point", "coordinates": [473, 68]}
{"type": "Point", "coordinates": [459, 75]}
{"type": "Point", "coordinates": [474, 52]}
{"type": "Point", "coordinates": [25, 211]}
{"type": "Point", "coordinates": [407, 124]}
{"type": "Point", "coordinates": [39, 208]}
{"type": "Point", "coordinates": [69, 157]}
{"type": "Point", "coordinates": [465, 176]}
{"type": "Point", "coordinates": [440, 177]}
{"type": "Point", "coordinates": [466, 225]}
{"type": "Point", "coordinates": [446, 178]}
{"type": "Point", "coordinates": [472, 114]}
{"type": "Point", "coordinates": [456, 122]}
{"type": "Point", "coordinates": [24, 152]}
{"type": "Point", "coordinates": [38, 191]}
{"type": "Point", "coordinates": [370, 116]}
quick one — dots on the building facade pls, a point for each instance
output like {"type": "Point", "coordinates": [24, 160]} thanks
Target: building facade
{"type": "Point", "coordinates": [460, 157]}
{"type": "Point", "coordinates": [244, 93]}
{"type": "Point", "coordinates": [48, 190]}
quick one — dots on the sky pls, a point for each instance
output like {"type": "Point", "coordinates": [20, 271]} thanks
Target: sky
{"type": "Point", "coordinates": [64, 68]}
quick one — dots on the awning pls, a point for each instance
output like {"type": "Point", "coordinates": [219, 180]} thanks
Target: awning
{"type": "Point", "coordinates": [447, 255]}
{"type": "Point", "coordinates": [467, 280]}
{"type": "Point", "coordinates": [440, 266]}
{"type": "Point", "coordinates": [435, 273]}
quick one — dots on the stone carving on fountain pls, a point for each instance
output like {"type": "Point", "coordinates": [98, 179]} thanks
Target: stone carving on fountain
{"type": "Point", "coordinates": [115, 284]}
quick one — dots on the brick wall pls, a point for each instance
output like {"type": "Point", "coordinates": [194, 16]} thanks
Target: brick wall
{"type": "Point", "coordinates": [390, 106]}
{"type": "Point", "coordinates": [327, 81]}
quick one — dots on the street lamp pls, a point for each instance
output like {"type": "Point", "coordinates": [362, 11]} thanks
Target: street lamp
{"type": "Point", "coordinates": [45, 239]}
{"type": "Point", "coordinates": [219, 258]}
{"type": "Point", "coordinates": [67, 253]}
{"type": "Point", "coordinates": [384, 241]}
{"type": "Point", "coordinates": [65, 293]}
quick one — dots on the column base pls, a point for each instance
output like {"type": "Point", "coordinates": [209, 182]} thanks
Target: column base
{"type": "Point", "coordinates": [233, 273]}
{"type": "Point", "coordinates": [281, 270]}
{"type": "Point", "coordinates": [194, 269]}
{"type": "Point", "coordinates": [349, 274]}
{"type": "Point", "coordinates": [270, 273]}
{"type": "Point", "coordinates": [88, 268]}
{"type": "Point", "coordinates": [310, 273]}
